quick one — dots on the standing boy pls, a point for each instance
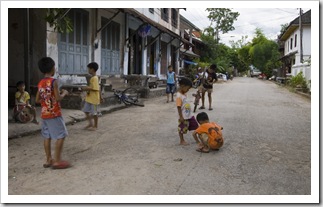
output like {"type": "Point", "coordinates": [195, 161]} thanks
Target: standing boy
{"type": "Point", "coordinates": [207, 86]}
{"type": "Point", "coordinates": [208, 135]}
{"type": "Point", "coordinates": [186, 122]}
{"type": "Point", "coordinates": [53, 125]}
{"type": "Point", "coordinates": [92, 99]}
{"type": "Point", "coordinates": [171, 83]}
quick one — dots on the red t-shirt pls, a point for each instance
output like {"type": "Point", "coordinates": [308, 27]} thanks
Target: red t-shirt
{"type": "Point", "coordinates": [50, 108]}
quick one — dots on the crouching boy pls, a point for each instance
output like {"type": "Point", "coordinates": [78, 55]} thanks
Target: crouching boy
{"type": "Point", "coordinates": [208, 135]}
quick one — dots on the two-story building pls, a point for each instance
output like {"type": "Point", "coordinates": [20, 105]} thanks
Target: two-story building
{"type": "Point", "coordinates": [134, 41]}
{"type": "Point", "coordinates": [296, 43]}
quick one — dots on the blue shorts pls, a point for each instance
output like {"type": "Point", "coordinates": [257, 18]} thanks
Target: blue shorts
{"type": "Point", "coordinates": [54, 128]}
{"type": "Point", "coordinates": [90, 108]}
{"type": "Point", "coordinates": [170, 88]}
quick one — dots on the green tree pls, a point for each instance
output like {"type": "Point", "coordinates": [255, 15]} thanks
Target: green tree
{"type": "Point", "coordinates": [283, 28]}
{"type": "Point", "coordinates": [244, 58]}
{"type": "Point", "coordinates": [222, 20]}
{"type": "Point", "coordinates": [264, 53]}
{"type": "Point", "coordinates": [208, 52]}
{"type": "Point", "coordinates": [58, 19]}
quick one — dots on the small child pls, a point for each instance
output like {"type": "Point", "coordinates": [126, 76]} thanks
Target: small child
{"type": "Point", "coordinates": [208, 135]}
{"type": "Point", "coordinates": [22, 98]}
{"type": "Point", "coordinates": [171, 83]}
{"type": "Point", "coordinates": [93, 97]}
{"type": "Point", "coordinates": [186, 122]}
{"type": "Point", "coordinates": [53, 125]}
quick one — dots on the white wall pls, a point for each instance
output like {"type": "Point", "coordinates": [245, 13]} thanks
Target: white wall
{"type": "Point", "coordinates": [306, 44]}
{"type": "Point", "coordinates": [307, 40]}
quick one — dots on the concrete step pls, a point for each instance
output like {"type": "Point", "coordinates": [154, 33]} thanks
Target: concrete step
{"type": "Point", "coordinates": [75, 100]}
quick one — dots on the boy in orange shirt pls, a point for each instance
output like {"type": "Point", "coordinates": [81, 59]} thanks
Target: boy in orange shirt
{"type": "Point", "coordinates": [208, 135]}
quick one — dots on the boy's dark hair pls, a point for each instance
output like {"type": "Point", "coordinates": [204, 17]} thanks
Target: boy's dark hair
{"type": "Point", "coordinates": [19, 83]}
{"type": "Point", "coordinates": [213, 67]}
{"type": "Point", "coordinates": [170, 66]}
{"type": "Point", "coordinates": [185, 82]}
{"type": "Point", "coordinates": [93, 65]}
{"type": "Point", "coordinates": [46, 64]}
{"type": "Point", "coordinates": [202, 117]}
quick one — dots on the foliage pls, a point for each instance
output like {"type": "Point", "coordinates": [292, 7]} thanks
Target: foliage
{"type": "Point", "coordinates": [243, 58]}
{"type": "Point", "coordinates": [283, 28]}
{"type": "Point", "coordinates": [222, 20]}
{"type": "Point", "coordinates": [208, 51]}
{"type": "Point", "coordinates": [57, 18]}
{"type": "Point", "coordinates": [264, 53]}
{"type": "Point", "coordinates": [239, 43]}
{"type": "Point", "coordinates": [298, 81]}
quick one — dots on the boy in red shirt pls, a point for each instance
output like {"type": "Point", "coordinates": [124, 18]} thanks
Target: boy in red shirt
{"type": "Point", "coordinates": [53, 125]}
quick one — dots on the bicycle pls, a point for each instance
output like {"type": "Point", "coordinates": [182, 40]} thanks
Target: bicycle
{"type": "Point", "coordinates": [129, 96]}
{"type": "Point", "coordinates": [197, 96]}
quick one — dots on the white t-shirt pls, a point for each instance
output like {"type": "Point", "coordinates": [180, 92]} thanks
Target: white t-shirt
{"type": "Point", "coordinates": [181, 100]}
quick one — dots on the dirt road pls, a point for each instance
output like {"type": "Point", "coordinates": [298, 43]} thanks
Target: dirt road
{"type": "Point", "coordinates": [135, 151]}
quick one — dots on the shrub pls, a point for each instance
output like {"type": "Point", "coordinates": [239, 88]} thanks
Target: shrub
{"type": "Point", "coordinates": [298, 81]}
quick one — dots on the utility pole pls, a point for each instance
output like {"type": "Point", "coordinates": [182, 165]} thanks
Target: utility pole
{"type": "Point", "coordinates": [301, 34]}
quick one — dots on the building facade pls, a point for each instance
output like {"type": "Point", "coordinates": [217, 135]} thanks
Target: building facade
{"type": "Point", "coordinates": [296, 42]}
{"type": "Point", "coordinates": [134, 41]}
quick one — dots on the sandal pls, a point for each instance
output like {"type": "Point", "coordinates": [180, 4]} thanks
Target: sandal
{"type": "Point", "coordinates": [201, 150]}
{"type": "Point", "coordinates": [210, 109]}
{"type": "Point", "coordinates": [47, 165]}
{"type": "Point", "coordinates": [61, 165]}
{"type": "Point", "coordinates": [202, 107]}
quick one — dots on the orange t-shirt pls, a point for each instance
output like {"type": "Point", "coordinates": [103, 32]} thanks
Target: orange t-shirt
{"type": "Point", "coordinates": [214, 133]}
{"type": "Point", "coordinates": [50, 108]}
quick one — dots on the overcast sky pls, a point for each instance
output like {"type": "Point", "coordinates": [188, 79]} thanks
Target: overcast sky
{"type": "Point", "coordinates": [269, 20]}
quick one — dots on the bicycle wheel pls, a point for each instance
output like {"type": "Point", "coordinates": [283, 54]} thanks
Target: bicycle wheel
{"type": "Point", "coordinates": [131, 96]}
{"type": "Point", "coordinates": [131, 93]}
{"type": "Point", "coordinates": [133, 102]}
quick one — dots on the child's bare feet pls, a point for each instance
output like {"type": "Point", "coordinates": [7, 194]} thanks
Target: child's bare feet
{"type": "Point", "coordinates": [200, 145]}
{"type": "Point", "coordinates": [92, 129]}
{"type": "Point", "coordinates": [204, 150]}
{"type": "Point", "coordinates": [88, 127]}
{"type": "Point", "coordinates": [183, 143]}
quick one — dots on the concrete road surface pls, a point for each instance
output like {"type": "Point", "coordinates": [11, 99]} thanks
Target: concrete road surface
{"type": "Point", "coordinates": [136, 151]}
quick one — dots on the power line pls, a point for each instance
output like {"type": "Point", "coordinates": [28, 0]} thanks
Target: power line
{"type": "Point", "coordinates": [285, 11]}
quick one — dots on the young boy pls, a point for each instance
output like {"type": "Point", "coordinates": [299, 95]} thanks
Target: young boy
{"type": "Point", "coordinates": [92, 99]}
{"type": "Point", "coordinates": [186, 122]}
{"type": "Point", "coordinates": [171, 83]}
{"type": "Point", "coordinates": [207, 86]}
{"type": "Point", "coordinates": [22, 98]}
{"type": "Point", "coordinates": [208, 135]}
{"type": "Point", "coordinates": [53, 125]}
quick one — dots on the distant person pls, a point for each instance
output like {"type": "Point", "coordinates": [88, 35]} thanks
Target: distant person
{"type": "Point", "coordinates": [186, 121]}
{"type": "Point", "coordinates": [208, 135]}
{"type": "Point", "coordinates": [93, 97]}
{"type": "Point", "coordinates": [22, 98]}
{"type": "Point", "coordinates": [210, 79]}
{"type": "Point", "coordinates": [53, 125]}
{"type": "Point", "coordinates": [171, 83]}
